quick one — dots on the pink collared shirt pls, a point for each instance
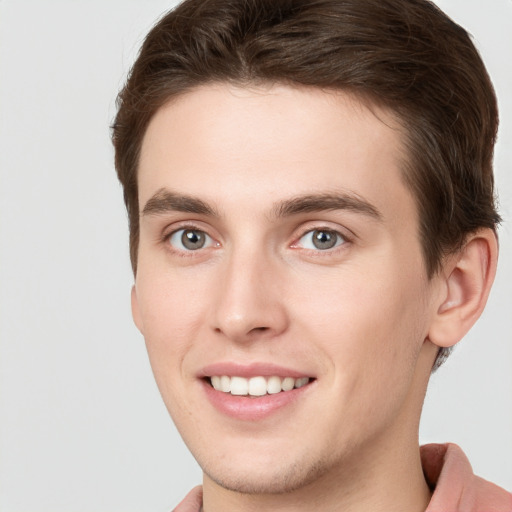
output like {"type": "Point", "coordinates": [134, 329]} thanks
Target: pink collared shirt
{"type": "Point", "coordinates": [449, 474]}
{"type": "Point", "coordinates": [456, 488]}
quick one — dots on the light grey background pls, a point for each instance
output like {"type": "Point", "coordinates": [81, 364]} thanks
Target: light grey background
{"type": "Point", "coordinates": [82, 426]}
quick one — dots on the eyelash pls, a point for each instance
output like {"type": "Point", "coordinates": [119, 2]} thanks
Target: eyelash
{"type": "Point", "coordinates": [342, 240]}
{"type": "Point", "coordinates": [184, 253]}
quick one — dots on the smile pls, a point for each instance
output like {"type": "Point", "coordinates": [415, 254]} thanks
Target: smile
{"type": "Point", "coordinates": [256, 386]}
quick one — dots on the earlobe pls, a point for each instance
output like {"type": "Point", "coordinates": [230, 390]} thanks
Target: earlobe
{"type": "Point", "coordinates": [466, 283]}
{"type": "Point", "coordinates": [135, 310]}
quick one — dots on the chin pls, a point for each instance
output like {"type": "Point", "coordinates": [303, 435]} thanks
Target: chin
{"type": "Point", "coordinates": [274, 478]}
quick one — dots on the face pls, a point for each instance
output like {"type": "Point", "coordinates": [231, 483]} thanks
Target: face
{"type": "Point", "coordinates": [281, 288]}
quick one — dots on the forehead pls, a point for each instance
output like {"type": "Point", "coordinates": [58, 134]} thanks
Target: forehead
{"type": "Point", "coordinates": [271, 142]}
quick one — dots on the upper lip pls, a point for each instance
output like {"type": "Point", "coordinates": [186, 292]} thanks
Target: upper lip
{"type": "Point", "coordinates": [256, 369]}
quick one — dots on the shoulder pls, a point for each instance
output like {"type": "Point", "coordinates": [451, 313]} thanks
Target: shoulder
{"type": "Point", "coordinates": [455, 487]}
{"type": "Point", "coordinates": [491, 498]}
{"type": "Point", "coordinates": [192, 502]}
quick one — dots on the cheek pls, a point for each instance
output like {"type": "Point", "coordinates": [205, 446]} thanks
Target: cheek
{"type": "Point", "coordinates": [170, 309]}
{"type": "Point", "coordinates": [361, 305]}
{"type": "Point", "coordinates": [171, 319]}
{"type": "Point", "coordinates": [370, 326]}
{"type": "Point", "coordinates": [168, 301]}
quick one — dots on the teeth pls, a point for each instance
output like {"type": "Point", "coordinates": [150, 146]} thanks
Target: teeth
{"type": "Point", "coordinates": [256, 386]}
{"type": "Point", "coordinates": [239, 386]}
{"type": "Point", "coordinates": [301, 382]}
{"type": "Point", "coordinates": [273, 385]}
{"type": "Point", "coordinates": [216, 382]}
{"type": "Point", "coordinates": [225, 384]}
{"type": "Point", "coordinates": [288, 384]}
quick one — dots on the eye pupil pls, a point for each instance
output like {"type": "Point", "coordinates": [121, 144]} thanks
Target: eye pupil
{"type": "Point", "coordinates": [324, 239]}
{"type": "Point", "coordinates": [192, 239]}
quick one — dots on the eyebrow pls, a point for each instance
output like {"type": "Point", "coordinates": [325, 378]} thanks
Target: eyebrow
{"type": "Point", "coordinates": [326, 202]}
{"type": "Point", "coordinates": [165, 201]}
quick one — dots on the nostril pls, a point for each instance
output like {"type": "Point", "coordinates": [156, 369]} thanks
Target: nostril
{"type": "Point", "coordinates": [259, 329]}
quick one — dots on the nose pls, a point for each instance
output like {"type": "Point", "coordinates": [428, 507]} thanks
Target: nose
{"type": "Point", "coordinates": [250, 304]}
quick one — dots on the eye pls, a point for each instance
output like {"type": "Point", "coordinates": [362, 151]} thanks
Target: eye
{"type": "Point", "coordinates": [190, 239]}
{"type": "Point", "coordinates": [321, 239]}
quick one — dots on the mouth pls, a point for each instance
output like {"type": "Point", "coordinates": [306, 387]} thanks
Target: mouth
{"type": "Point", "coordinates": [256, 391]}
{"type": "Point", "coordinates": [257, 386]}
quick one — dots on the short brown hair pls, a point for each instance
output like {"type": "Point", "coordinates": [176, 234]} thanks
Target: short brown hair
{"type": "Point", "coordinates": [406, 55]}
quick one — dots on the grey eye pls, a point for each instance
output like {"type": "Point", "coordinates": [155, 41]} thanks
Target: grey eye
{"type": "Point", "coordinates": [190, 239]}
{"type": "Point", "coordinates": [321, 239]}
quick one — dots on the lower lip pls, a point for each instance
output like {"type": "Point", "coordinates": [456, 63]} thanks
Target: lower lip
{"type": "Point", "coordinates": [252, 409]}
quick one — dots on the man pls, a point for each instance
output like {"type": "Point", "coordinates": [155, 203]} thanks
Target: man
{"type": "Point", "coordinates": [312, 228]}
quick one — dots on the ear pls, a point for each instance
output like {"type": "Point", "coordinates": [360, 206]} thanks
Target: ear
{"type": "Point", "coordinates": [135, 310]}
{"type": "Point", "coordinates": [466, 280]}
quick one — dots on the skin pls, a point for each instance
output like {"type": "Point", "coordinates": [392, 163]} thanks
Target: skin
{"type": "Point", "coordinates": [358, 317]}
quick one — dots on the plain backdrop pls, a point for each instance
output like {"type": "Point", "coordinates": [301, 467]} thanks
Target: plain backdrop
{"type": "Point", "coordinates": [82, 425]}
